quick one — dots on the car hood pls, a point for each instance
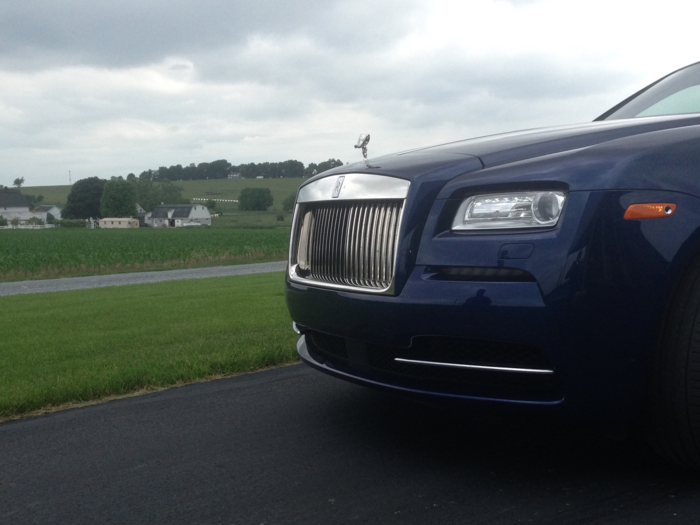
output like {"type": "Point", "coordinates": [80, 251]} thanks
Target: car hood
{"type": "Point", "coordinates": [448, 160]}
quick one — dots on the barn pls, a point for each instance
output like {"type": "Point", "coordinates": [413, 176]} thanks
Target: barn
{"type": "Point", "coordinates": [180, 215]}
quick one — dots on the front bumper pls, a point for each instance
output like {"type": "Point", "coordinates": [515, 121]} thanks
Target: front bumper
{"type": "Point", "coordinates": [358, 337]}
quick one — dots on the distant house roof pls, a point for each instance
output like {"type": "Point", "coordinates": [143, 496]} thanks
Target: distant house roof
{"type": "Point", "coordinates": [179, 211]}
{"type": "Point", "coordinates": [45, 207]}
{"type": "Point", "coordinates": [12, 199]}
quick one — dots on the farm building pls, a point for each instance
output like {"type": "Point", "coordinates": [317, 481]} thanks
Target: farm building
{"type": "Point", "coordinates": [119, 223]}
{"type": "Point", "coordinates": [143, 216]}
{"type": "Point", "coordinates": [179, 215]}
{"type": "Point", "coordinates": [13, 204]}
{"type": "Point", "coordinates": [43, 211]}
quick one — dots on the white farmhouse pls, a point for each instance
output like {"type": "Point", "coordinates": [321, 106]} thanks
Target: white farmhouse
{"type": "Point", "coordinates": [43, 211]}
{"type": "Point", "coordinates": [13, 204]}
{"type": "Point", "coordinates": [179, 215]}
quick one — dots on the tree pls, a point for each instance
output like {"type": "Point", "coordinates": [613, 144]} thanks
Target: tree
{"type": "Point", "coordinates": [3, 221]}
{"type": "Point", "coordinates": [250, 171]}
{"type": "Point", "coordinates": [219, 169]}
{"type": "Point", "coordinates": [50, 219]}
{"type": "Point", "coordinates": [118, 199]}
{"type": "Point", "coordinates": [146, 193]}
{"type": "Point", "coordinates": [18, 182]}
{"type": "Point", "coordinates": [84, 199]}
{"type": "Point", "coordinates": [171, 193]}
{"type": "Point", "coordinates": [255, 199]}
{"type": "Point", "coordinates": [291, 169]}
{"type": "Point", "coordinates": [14, 222]}
{"type": "Point", "coordinates": [33, 200]}
{"type": "Point", "coordinates": [211, 204]}
{"type": "Point", "coordinates": [328, 164]}
{"type": "Point", "coordinates": [288, 203]}
{"type": "Point", "coordinates": [151, 194]}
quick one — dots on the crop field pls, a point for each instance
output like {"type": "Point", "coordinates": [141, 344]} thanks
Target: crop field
{"type": "Point", "coordinates": [63, 252]}
{"type": "Point", "coordinates": [85, 345]}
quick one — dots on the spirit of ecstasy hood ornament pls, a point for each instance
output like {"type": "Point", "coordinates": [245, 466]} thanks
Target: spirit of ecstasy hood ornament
{"type": "Point", "coordinates": [362, 144]}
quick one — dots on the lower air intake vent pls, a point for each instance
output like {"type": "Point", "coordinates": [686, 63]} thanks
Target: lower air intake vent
{"type": "Point", "coordinates": [489, 375]}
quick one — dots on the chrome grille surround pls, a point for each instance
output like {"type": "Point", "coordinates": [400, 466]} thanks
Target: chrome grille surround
{"type": "Point", "coordinates": [345, 232]}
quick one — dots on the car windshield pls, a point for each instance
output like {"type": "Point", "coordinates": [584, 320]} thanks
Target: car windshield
{"type": "Point", "coordinates": [673, 95]}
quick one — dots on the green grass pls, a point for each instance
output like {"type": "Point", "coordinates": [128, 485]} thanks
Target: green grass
{"type": "Point", "coordinates": [72, 347]}
{"type": "Point", "coordinates": [231, 188]}
{"type": "Point", "coordinates": [63, 252]}
{"type": "Point", "coordinates": [52, 194]}
{"type": "Point", "coordinates": [208, 189]}
{"type": "Point", "coordinates": [252, 219]}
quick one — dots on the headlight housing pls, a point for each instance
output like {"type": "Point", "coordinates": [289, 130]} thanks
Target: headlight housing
{"type": "Point", "coordinates": [505, 211]}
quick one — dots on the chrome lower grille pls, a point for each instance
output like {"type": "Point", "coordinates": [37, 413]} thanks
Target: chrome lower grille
{"type": "Point", "coordinates": [347, 243]}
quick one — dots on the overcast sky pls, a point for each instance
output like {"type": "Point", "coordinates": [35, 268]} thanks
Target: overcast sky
{"type": "Point", "coordinates": [109, 88]}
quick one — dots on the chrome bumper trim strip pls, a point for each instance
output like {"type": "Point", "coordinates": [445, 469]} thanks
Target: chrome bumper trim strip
{"type": "Point", "coordinates": [477, 367]}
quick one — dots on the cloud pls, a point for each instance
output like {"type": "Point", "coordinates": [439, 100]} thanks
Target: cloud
{"type": "Point", "coordinates": [128, 33]}
{"type": "Point", "coordinates": [113, 87]}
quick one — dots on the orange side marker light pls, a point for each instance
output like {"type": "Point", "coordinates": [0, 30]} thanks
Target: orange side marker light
{"type": "Point", "coordinates": [652, 210]}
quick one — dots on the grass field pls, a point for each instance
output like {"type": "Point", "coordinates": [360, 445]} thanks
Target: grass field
{"type": "Point", "coordinates": [71, 347]}
{"type": "Point", "coordinates": [252, 219]}
{"type": "Point", "coordinates": [210, 189]}
{"type": "Point", "coordinates": [62, 252]}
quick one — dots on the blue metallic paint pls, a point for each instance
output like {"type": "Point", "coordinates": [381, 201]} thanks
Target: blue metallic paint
{"type": "Point", "coordinates": [601, 283]}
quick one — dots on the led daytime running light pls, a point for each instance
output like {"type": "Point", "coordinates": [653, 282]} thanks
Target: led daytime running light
{"type": "Point", "coordinates": [533, 209]}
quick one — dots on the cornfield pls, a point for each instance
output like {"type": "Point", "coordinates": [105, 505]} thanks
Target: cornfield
{"type": "Point", "coordinates": [26, 254]}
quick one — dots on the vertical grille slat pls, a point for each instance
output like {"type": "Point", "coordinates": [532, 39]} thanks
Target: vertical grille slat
{"type": "Point", "coordinates": [362, 242]}
{"type": "Point", "coordinates": [382, 252]}
{"type": "Point", "coordinates": [355, 243]}
{"type": "Point", "coordinates": [350, 246]}
{"type": "Point", "coordinates": [365, 246]}
{"type": "Point", "coordinates": [317, 236]}
{"type": "Point", "coordinates": [370, 243]}
{"type": "Point", "coordinates": [348, 243]}
{"type": "Point", "coordinates": [327, 245]}
{"type": "Point", "coordinates": [358, 242]}
{"type": "Point", "coordinates": [393, 234]}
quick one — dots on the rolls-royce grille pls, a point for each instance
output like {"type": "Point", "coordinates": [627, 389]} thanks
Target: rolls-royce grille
{"type": "Point", "coordinates": [350, 243]}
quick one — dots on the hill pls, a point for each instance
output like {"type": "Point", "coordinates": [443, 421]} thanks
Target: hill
{"type": "Point", "coordinates": [227, 189]}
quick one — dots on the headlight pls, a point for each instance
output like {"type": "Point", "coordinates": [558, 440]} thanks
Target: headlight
{"type": "Point", "coordinates": [501, 211]}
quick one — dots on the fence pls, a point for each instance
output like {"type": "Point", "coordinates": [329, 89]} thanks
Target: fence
{"type": "Point", "coordinates": [28, 227]}
{"type": "Point", "coordinates": [215, 200]}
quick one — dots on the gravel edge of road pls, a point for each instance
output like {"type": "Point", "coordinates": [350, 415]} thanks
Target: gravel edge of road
{"type": "Point", "coordinates": [124, 279]}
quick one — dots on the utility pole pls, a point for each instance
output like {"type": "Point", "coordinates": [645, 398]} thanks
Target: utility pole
{"type": "Point", "coordinates": [69, 181]}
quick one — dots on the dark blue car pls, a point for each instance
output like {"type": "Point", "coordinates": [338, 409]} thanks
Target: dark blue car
{"type": "Point", "coordinates": [553, 270]}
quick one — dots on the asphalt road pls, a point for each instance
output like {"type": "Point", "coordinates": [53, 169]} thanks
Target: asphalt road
{"type": "Point", "coordinates": [121, 279]}
{"type": "Point", "coordinates": [294, 446]}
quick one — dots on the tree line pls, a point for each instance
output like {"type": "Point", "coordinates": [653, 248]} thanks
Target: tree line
{"type": "Point", "coordinates": [221, 169]}
{"type": "Point", "coordinates": [95, 197]}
